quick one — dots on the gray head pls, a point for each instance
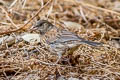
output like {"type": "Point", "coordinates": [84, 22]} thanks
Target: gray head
{"type": "Point", "coordinates": [43, 26]}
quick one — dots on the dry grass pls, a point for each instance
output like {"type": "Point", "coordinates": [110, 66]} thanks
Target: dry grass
{"type": "Point", "coordinates": [23, 61]}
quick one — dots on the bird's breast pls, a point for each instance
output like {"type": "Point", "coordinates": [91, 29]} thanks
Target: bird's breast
{"type": "Point", "coordinates": [51, 36]}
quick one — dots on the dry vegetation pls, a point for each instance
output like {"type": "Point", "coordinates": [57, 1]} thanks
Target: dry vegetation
{"type": "Point", "coordinates": [96, 20]}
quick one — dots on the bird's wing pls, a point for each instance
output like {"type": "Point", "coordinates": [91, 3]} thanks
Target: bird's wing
{"type": "Point", "coordinates": [65, 36]}
{"type": "Point", "coordinates": [70, 37]}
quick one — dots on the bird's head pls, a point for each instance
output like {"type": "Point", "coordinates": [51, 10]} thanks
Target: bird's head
{"type": "Point", "coordinates": [43, 26]}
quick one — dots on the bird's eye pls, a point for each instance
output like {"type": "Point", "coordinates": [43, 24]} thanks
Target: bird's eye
{"type": "Point", "coordinates": [44, 26]}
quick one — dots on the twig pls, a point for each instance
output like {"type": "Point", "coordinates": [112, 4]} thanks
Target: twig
{"type": "Point", "coordinates": [5, 74]}
{"type": "Point", "coordinates": [16, 73]}
{"type": "Point", "coordinates": [7, 32]}
{"type": "Point", "coordinates": [7, 15]}
{"type": "Point", "coordinates": [99, 8]}
{"type": "Point", "coordinates": [24, 3]}
{"type": "Point", "coordinates": [14, 2]}
{"type": "Point", "coordinates": [92, 6]}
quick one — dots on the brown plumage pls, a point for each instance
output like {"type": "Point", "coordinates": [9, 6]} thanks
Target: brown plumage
{"type": "Point", "coordinates": [59, 40]}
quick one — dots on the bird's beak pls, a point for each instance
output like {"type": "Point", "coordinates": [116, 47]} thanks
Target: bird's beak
{"type": "Point", "coordinates": [36, 30]}
{"type": "Point", "coordinates": [33, 28]}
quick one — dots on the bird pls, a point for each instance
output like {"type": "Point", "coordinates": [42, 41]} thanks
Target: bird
{"type": "Point", "coordinates": [59, 40]}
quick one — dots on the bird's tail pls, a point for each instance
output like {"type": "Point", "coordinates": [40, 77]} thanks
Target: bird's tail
{"type": "Point", "coordinates": [91, 43]}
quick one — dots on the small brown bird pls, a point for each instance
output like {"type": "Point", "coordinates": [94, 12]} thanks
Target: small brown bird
{"type": "Point", "coordinates": [59, 40]}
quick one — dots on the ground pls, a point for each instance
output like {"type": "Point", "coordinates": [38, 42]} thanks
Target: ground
{"type": "Point", "coordinates": [94, 20]}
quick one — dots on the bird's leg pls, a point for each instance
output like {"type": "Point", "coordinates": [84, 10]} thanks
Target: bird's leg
{"type": "Point", "coordinates": [59, 57]}
{"type": "Point", "coordinates": [61, 52]}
